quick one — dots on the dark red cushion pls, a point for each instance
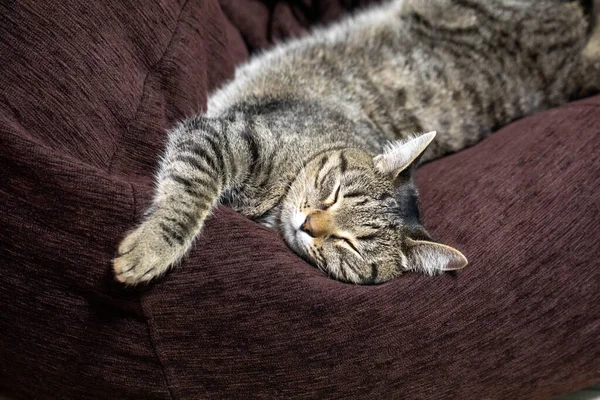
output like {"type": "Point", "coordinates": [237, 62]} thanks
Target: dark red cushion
{"type": "Point", "coordinates": [87, 90]}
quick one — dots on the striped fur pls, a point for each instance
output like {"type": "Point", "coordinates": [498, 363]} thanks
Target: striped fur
{"type": "Point", "coordinates": [293, 140]}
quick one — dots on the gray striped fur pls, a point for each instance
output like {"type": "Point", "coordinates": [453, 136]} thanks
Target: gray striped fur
{"type": "Point", "coordinates": [309, 118]}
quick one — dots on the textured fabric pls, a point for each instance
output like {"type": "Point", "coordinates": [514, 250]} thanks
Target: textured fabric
{"type": "Point", "coordinates": [86, 92]}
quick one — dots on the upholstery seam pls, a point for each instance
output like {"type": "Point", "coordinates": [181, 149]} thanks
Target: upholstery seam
{"type": "Point", "coordinates": [149, 321]}
{"type": "Point", "coordinates": [65, 155]}
{"type": "Point", "coordinates": [144, 86]}
{"type": "Point", "coordinates": [151, 336]}
{"type": "Point", "coordinates": [170, 387]}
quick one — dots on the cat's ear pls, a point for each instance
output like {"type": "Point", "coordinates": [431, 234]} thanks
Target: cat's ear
{"type": "Point", "coordinates": [401, 154]}
{"type": "Point", "coordinates": [432, 258]}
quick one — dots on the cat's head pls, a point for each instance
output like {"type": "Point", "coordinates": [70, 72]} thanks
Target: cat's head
{"type": "Point", "coordinates": [357, 217]}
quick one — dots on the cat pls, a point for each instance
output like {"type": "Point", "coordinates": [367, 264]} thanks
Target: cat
{"type": "Point", "coordinates": [319, 137]}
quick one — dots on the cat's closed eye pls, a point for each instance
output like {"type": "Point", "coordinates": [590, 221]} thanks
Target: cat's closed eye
{"type": "Point", "coordinates": [332, 199]}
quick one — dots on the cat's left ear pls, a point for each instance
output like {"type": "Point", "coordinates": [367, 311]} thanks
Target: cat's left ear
{"type": "Point", "coordinates": [433, 258]}
{"type": "Point", "coordinates": [402, 154]}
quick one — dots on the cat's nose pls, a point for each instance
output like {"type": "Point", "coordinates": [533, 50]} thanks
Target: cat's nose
{"type": "Point", "coordinates": [317, 225]}
{"type": "Point", "coordinates": [307, 227]}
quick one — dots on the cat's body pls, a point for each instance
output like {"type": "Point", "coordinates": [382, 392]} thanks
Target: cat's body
{"type": "Point", "coordinates": [292, 140]}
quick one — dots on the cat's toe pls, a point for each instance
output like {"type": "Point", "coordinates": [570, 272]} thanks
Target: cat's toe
{"type": "Point", "coordinates": [142, 257]}
{"type": "Point", "coordinates": [134, 270]}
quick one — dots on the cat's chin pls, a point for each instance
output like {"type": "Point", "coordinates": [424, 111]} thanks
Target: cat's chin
{"type": "Point", "coordinates": [297, 241]}
{"type": "Point", "coordinates": [303, 241]}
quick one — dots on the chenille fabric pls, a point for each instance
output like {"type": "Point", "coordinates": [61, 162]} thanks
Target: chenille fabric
{"type": "Point", "coordinates": [87, 91]}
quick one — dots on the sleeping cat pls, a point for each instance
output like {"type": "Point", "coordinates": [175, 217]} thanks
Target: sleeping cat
{"type": "Point", "coordinates": [319, 137]}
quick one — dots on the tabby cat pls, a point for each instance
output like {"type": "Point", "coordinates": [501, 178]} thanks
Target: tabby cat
{"type": "Point", "coordinates": [319, 137]}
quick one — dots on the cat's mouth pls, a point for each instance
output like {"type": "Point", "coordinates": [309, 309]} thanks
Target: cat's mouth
{"type": "Point", "coordinates": [294, 236]}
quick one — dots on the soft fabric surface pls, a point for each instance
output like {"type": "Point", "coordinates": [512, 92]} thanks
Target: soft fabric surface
{"type": "Point", "coordinates": [86, 92]}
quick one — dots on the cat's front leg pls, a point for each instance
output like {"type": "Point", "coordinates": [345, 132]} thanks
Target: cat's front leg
{"type": "Point", "coordinates": [198, 166]}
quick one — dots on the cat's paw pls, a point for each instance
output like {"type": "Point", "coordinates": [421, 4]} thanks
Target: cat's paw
{"type": "Point", "coordinates": [144, 255]}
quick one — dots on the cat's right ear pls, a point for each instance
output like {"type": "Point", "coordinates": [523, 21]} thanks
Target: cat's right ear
{"type": "Point", "coordinates": [402, 154]}
{"type": "Point", "coordinates": [432, 258]}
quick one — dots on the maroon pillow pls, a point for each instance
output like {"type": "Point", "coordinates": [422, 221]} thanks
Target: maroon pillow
{"type": "Point", "coordinates": [87, 90]}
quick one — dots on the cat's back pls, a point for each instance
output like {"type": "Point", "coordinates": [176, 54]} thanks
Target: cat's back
{"type": "Point", "coordinates": [318, 66]}
{"type": "Point", "coordinates": [462, 68]}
